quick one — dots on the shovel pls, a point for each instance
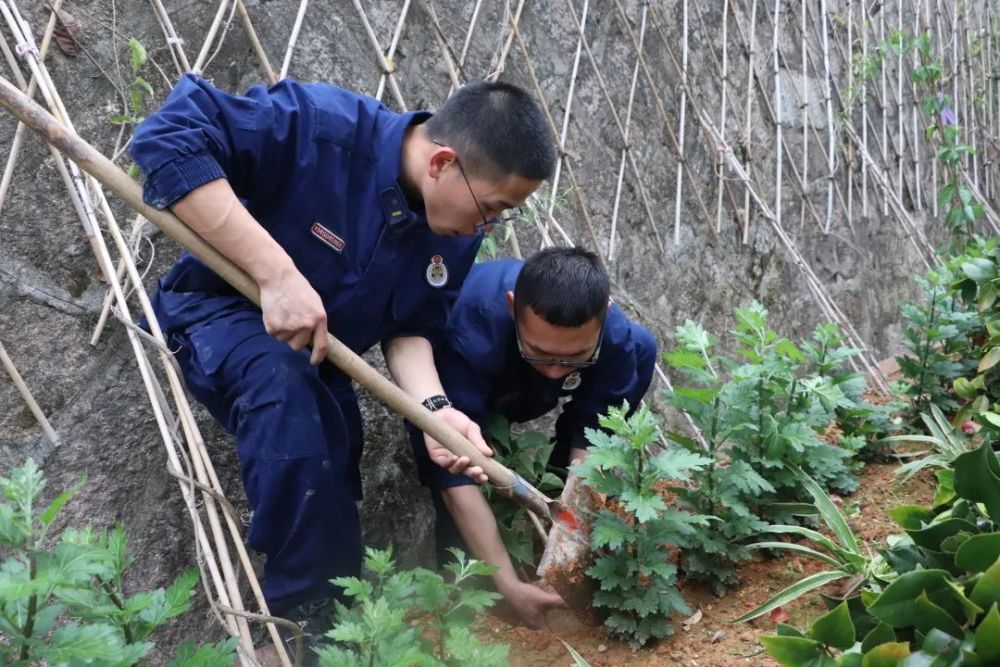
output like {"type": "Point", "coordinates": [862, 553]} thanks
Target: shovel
{"type": "Point", "coordinates": [567, 547]}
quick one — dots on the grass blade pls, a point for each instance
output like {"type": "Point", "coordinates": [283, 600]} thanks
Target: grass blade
{"type": "Point", "coordinates": [793, 592]}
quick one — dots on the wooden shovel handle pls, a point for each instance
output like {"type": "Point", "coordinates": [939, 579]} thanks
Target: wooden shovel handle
{"type": "Point", "coordinates": [117, 181]}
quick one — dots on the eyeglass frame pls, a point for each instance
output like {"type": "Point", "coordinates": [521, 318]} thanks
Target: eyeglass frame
{"type": "Point", "coordinates": [510, 214]}
{"type": "Point", "coordinates": [562, 363]}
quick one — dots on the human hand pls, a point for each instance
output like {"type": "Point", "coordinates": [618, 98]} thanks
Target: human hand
{"type": "Point", "coordinates": [458, 464]}
{"type": "Point", "coordinates": [531, 603]}
{"type": "Point", "coordinates": [294, 313]}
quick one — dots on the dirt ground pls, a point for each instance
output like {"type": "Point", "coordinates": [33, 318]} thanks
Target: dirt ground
{"type": "Point", "coordinates": [713, 641]}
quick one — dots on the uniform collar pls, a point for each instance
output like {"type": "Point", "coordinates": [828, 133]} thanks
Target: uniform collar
{"type": "Point", "coordinates": [388, 148]}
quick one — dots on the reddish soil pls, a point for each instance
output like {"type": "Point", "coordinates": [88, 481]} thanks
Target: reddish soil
{"type": "Point", "coordinates": [713, 641]}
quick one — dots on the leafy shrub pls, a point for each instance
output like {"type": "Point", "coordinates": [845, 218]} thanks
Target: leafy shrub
{"type": "Point", "coordinates": [65, 603]}
{"type": "Point", "coordinates": [411, 617]}
{"type": "Point", "coordinates": [942, 601]}
{"type": "Point", "coordinates": [938, 342]}
{"type": "Point", "coordinates": [527, 455]}
{"type": "Point", "coordinates": [633, 534]}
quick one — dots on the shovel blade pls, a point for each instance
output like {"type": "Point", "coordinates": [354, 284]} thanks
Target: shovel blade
{"type": "Point", "coordinates": [568, 555]}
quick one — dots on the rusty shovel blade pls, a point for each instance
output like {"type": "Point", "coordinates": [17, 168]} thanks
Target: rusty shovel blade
{"type": "Point", "coordinates": [568, 555]}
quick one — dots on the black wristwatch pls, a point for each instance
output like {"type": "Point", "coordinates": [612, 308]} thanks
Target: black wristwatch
{"type": "Point", "coordinates": [436, 402]}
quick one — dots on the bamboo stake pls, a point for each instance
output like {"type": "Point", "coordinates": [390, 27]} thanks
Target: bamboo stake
{"type": "Point", "coordinates": [969, 99]}
{"type": "Point", "coordinates": [850, 112]}
{"type": "Point", "coordinates": [915, 117]}
{"type": "Point", "coordinates": [19, 133]}
{"type": "Point", "coordinates": [258, 48]}
{"type": "Point", "coordinates": [569, 105]}
{"type": "Point", "coordinates": [864, 110]}
{"type": "Point", "coordinates": [779, 151]}
{"type": "Point", "coordinates": [748, 118]}
{"type": "Point", "coordinates": [884, 111]}
{"type": "Point", "coordinates": [468, 34]}
{"type": "Point", "coordinates": [230, 586]}
{"type": "Point", "coordinates": [644, 198]}
{"type": "Point", "coordinates": [296, 27]}
{"type": "Point", "coordinates": [628, 120]}
{"type": "Point", "coordinates": [720, 167]}
{"type": "Point", "coordinates": [679, 187]}
{"type": "Point", "coordinates": [29, 400]}
{"type": "Point", "coordinates": [900, 118]}
{"type": "Point", "coordinates": [174, 43]}
{"type": "Point", "coordinates": [804, 107]}
{"type": "Point", "coordinates": [388, 68]}
{"type": "Point", "coordinates": [500, 59]}
{"type": "Point", "coordinates": [199, 63]}
{"type": "Point", "coordinates": [577, 191]}
{"type": "Point", "coordinates": [391, 54]}
{"type": "Point", "coordinates": [827, 94]}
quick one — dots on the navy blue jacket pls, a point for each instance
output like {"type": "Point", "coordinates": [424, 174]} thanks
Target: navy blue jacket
{"type": "Point", "coordinates": [483, 372]}
{"type": "Point", "coordinates": [318, 167]}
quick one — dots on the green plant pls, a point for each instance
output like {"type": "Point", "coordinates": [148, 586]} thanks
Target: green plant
{"type": "Point", "coordinates": [942, 608]}
{"type": "Point", "coordinates": [947, 444]}
{"type": "Point", "coordinates": [843, 553]}
{"type": "Point", "coordinates": [938, 341]}
{"type": "Point", "coordinates": [411, 617]}
{"type": "Point", "coordinates": [633, 534]}
{"type": "Point", "coordinates": [64, 602]}
{"type": "Point", "coordinates": [528, 455]}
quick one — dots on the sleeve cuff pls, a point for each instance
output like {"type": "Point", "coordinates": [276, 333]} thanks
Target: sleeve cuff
{"type": "Point", "coordinates": [178, 177]}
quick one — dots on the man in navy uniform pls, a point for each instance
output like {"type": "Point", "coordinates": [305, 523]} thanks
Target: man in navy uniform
{"type": "Point", "coordinates": [352, 219]}
{"type": "Point", "coordinates": [520, 337]}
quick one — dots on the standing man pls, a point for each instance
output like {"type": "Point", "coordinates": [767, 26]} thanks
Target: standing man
{"type": "Point", "coordinates": [352, 219]}
{"type": "Point", "coordinates": [520, 337]}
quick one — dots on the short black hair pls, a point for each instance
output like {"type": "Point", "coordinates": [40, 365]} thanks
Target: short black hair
{"type": "Point", "coordinates": [566, 287]}
{"type": "Point", "coordinates": [496, 129]}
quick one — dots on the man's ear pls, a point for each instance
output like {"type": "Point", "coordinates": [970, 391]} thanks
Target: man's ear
{"type": "Point", "coordinates": [440, 157]}
{"type": "Point", "coordinates": [510, 303]}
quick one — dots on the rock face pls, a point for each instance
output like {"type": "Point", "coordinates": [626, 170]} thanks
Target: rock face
{"type": "Point", "coordinates": [51, 292]}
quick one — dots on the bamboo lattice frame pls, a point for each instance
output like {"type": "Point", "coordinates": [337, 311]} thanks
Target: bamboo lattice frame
{"type": "Point", "coordinates": [866, 154]}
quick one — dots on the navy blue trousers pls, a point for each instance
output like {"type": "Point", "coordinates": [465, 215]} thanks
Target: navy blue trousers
{"type": "Point", "coordinates": [299, 438]}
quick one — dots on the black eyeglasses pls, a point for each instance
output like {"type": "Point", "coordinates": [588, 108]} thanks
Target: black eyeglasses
{"type": "Point", "coordinates": [509, 215]}
{"type": "Point", "coordinates": [564, 363]}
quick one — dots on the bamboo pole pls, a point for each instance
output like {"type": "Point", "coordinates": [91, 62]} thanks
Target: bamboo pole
{"type": "Point", "coordinates": [394, 44]}
{"type": "Point", "coordinates": [468, 34]}
{"type": "Point", "coordinates": [293, 38]}
{"type": "Point", "coordinates": [748, 118]}
{"type": "Point", "coordinates": [915, 117]}
{"type": "Point", "coordinates": [720, 166]}
{"type": "Point", "coordinates": [199, 62]}
{"type": "Point", "coordinates": [29, 399]}
{"type": "Point", "coordinates": [827, 95]}
{"type": "Point", "coordinates": [625, 148]}
{"type": "Point", "coordinates": [19, 133]}
{"type": "Point", "coordinates": [174, 43]}
{"type": "Point", "coordinates": [900, 117]}
{"type": "Point", "coordinates": [258, 48]}
{"type": "Point", "coordinates": [569, 104]}
{"type": "Point", "coordinates": [682, 127]}
{"type": "Point", "coordinates": [884, 75]}
{"type": "Point", "coordinates": [779, 150]}
{"type": "Point", "coordinates": [229, 586]}
{"type": "Point", "coordinates": [850, 113]}
{"type": "Point", "coordinates": [804, 108]}
{"type": "Point", "coordinates": [388, 67]}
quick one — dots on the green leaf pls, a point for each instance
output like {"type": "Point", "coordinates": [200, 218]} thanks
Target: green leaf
{"type": "Point", "coordinates": [989, 360]}
{"type": "Point", "coordinates": [929, 616]}
{"type": "Point", "coordinates": [50, 512]}
{"type": "Point", "coordinates": [987, 590]}
{"type": "Point", "coordinates": [911, 517]}
{"type": "Point", "coordinates": [988, 637]}
{"type": "Point", "coordinates": [933, 535]}
{"type": "Point", "coordinates": [85, 643]}
{"type": "Point", "coordinates": [977, 479]}
{"type": "Point", "coordinates": [793, 592]}
{"type": "Point", "coordinates": [578, 660]}
{"type": "Point", "coordinates": [886, 655]}
{"type": "Point", "coordinates": [138, 54]}
{"type": "Point", "coordinates": [797, 548]}
{"type": "Point", "coordinates": [219, 654]}
{"type": "Point", "coordinates": [834, 628]}
{"type": "Point", "coordinates": [978, 552]}
{"type": "Point", "coordinates": [880, 634]}
{"type": "Point", "coordinates": [831, 515]}
{"type": "Point", "coordinates": [795, 651]}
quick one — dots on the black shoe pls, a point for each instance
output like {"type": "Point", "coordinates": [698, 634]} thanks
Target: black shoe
{"type": "Point", "coordinates": [315, 619]}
